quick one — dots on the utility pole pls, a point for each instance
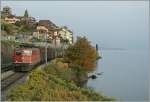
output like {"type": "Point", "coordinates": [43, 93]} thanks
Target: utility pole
{"type": "Point", "coordinates": [46, 48]}
{"type": "Point", "coordinates": [96, 47]}
{"type": "Point", "coordinates": [55, 36]}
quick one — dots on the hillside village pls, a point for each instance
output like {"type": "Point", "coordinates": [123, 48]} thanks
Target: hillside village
{"type": "Point", "coordinates": [26, 28]}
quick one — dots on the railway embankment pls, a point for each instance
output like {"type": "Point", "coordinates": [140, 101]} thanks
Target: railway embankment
{"type": "Point", "coordinates": [51, 84]}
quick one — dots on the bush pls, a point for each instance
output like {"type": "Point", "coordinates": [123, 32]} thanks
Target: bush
{"type": "Point", "coordinates": [18, 23]}
{"type": "Point", "coordinates": [18, 27]}
{"type": "Point", "coordinates": [72, 73]}
{"type": "Point", "coordinates": [9, 28]}
{"type": "Point", "coordinates": [65, 74]}
{"type": "Point", "coordinates": [59, 62]}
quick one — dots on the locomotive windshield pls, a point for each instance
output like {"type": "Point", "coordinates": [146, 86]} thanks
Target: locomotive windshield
{"type": "Point", "coordinates": [24, 52]}
{"type": "Point", "coordinates": [27, 52]}
{"type": "Point", "coordinates": [18, 52]}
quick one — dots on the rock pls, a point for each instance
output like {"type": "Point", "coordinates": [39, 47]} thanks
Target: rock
{"type": "Point", "coordinates": [99, 57]}
{"type": "Point", "coordinates": [93, 76]}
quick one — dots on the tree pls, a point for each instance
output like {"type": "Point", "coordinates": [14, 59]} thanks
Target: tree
{"type": "Point", "coordinates": [18, 23]}
{"type": "Point", "coordinates": [7, 28]}
{"type": "Point", "coordinates": [26, 13]}
{"type": "Point", "coordinates": [81, 53]}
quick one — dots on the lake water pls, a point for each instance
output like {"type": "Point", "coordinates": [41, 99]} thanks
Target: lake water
{"type": "Point", "coordinates": [125, 74]}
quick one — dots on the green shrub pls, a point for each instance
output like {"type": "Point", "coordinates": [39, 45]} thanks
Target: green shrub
{"type": "Point", "coordinates": [53, 69]}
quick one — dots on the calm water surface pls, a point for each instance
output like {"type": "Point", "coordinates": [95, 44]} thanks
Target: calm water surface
{"type": "Point", "coordinates": [125, 74]}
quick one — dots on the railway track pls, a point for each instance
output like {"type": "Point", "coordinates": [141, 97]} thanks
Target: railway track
{"type": "Point", "coordinates": [6, 82]}
{"type": "Point", "coordinates": [7, 67]}
{"type": "Point", "coordinates": [11, 77]}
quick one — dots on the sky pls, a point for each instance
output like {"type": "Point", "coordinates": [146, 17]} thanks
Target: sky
{"type": "Point", "coordinates": [111, 24]}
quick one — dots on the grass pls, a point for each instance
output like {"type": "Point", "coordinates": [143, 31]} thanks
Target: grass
{"type": "Point", "coordinates": [42, 86]}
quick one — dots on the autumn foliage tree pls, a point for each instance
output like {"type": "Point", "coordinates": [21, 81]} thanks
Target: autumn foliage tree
{"type": "Point", "coordinates": [82, 53]}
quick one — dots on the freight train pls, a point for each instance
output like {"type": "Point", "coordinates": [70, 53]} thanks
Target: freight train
{"type": "Point", "coordinates": [26, 57]}
{"type": "Point", "coordinates": [6, 54]}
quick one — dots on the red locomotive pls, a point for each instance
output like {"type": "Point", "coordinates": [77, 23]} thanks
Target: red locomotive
{"type": "Point", "coordinates": [26, 58]}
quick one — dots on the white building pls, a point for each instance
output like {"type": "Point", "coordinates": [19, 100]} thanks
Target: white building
{"type": "Point", "coordinates": [66, 34]}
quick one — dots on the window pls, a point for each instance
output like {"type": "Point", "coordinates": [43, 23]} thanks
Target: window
{"type": "Point", "coordinates": [27, 52]}
{"type": "Point", "coordinates": [18, 52]}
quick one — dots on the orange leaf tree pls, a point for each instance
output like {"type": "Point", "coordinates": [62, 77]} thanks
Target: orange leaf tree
{"type": "Point", "coordinates": [81, 53]}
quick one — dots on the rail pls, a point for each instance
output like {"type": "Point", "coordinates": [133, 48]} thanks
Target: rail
{"type": "Point", "coordinates": [6, 67]}
{"type": "Point", "coordinates": [5, 83]}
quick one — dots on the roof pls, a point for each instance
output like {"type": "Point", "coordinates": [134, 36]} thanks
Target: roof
{"type": "Point", "coordinates": [25, 18]}
{"type": "Point", "coordinates": [19, 17]}
{"type": "Point", "coordinates": [48, 24]}
{"type": "Point", "coordinates": [6, 7]}
{"type": "Point", "coordinates": [65, 27]}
